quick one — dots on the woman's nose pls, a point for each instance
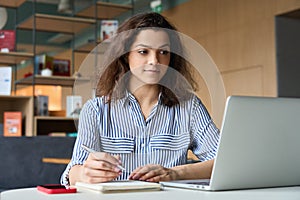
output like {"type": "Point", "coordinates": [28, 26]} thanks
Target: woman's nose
{"type": "Point", "coordinates": [153, 59]}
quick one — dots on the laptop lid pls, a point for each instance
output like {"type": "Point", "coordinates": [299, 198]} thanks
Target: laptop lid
{"type": "Point", "coordinates": [258, 148]}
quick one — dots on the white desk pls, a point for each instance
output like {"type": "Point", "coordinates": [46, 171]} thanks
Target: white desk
{"type": "Point", "coordinates": [284, 193]}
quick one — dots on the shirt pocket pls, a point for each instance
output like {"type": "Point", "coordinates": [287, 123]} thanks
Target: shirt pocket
{"type": "Point", "coordinates": [117, 145]}
{"type": "Point", "coordinates": [170, 142]}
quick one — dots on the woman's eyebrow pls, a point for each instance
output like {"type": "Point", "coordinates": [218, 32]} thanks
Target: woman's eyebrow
{"type": "Point", "coordinates": [150, 47]}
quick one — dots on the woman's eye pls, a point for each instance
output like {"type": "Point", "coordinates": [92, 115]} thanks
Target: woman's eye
{"type": "Point", "coordinates": [164, 52]}
{"type": "Point", "coordinates": [142, 51]}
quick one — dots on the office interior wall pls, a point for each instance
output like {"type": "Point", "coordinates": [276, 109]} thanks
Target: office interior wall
{"type": "Point", "coordinates": [239, 35]}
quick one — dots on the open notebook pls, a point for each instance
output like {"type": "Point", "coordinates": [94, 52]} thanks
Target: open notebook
{"type": "Point", "coordinates": [259, 146]}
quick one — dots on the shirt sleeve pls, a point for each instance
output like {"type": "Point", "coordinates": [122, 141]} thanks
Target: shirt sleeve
{"type": "Point", "coordinates": [87, 134]}
{"type": "Point", "coordinates": [205, 134]}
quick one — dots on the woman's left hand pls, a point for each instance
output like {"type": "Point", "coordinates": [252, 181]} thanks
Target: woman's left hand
{"type": "Point", "coordinates": [153, 173]}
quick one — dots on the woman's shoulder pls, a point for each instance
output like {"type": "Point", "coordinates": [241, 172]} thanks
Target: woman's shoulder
{"type": "Point", "coordinates": [193, 99]}
{"type": "Point", "coordinates": [197, 104]}
{"type": "Point", "coordinates": [95, 102]}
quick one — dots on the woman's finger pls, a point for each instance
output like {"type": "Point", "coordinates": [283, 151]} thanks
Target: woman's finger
{"type": "Point", "coordinates": [104, 161]}
{"type": "Point", "coordinates": [141, 171]}
{"type": "Point", "coordinates": [94, 176]}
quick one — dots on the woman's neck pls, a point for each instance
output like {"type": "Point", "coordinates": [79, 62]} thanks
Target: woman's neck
{"type": "Point", "coordinates": [147, 94]}
{"type": "Point", "coordinates": [147, 97]}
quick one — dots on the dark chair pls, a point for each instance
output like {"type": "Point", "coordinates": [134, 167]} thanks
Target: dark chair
{"type": "Point", "coordinates": [22, 160]}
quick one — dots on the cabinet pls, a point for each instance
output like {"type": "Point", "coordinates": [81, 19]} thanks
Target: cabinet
{"type": "Point", "coordinates": [85, 18]}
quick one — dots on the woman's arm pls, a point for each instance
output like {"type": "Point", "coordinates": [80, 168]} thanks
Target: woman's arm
{"type": "Point", "coordinates": [99, 167]}
{"type": "Point", "coordinates": [200, 170]}
{"type": "Point", "coordinates": [156, 173]}
{"type": "Point", "coordinates": [75, 174]}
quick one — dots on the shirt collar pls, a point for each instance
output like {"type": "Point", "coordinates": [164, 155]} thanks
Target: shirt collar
{"type": "Point", "coordinates": [129, 97]}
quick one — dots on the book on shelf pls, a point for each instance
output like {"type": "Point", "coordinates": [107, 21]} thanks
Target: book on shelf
{"type": "Point", "coordinates": [5, 80]}
{"type": "Point", "coordinates": [119, 186]}
{"type": "Point", "coordinates": [73, 106]}
{"type": "Point", "coordinates": [58, 134]}
{"type": "Point", "coordinates": [61, 67]}
{"type": "Point", "coordinates": [12, 124]}
{"type": "Point", "coordinates": [62, 134]}
{"type": "Point", "coordinates": [7, 40]}
{"type": "Point", "coordinates": [41, 105]}
{"type": "Point", "coordinates": [108, 28]}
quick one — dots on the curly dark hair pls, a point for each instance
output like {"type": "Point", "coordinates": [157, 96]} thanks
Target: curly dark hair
{"type": "Point", "coordinates": [115, 63]}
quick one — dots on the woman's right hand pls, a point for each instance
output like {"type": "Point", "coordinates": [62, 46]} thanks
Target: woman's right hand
{"type": "Point", "coordinates": [100, 167]}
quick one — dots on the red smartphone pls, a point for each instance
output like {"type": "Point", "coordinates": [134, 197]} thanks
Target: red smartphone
{"type": "Point", "coordinates": [55, 189]}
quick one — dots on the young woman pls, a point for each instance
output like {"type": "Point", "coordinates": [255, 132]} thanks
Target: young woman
{"type": "Point", "coordinates": [145, 116]}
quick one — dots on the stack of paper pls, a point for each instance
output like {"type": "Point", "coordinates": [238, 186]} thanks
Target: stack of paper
{"type": "Point", "coordinates": [119, 186]}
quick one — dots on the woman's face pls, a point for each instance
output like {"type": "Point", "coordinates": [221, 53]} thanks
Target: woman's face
{"type": "Point", "coordinates": [149, 56]}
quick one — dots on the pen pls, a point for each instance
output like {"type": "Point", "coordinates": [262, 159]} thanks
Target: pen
{"type": "Point", "coordinates": [93, 151]}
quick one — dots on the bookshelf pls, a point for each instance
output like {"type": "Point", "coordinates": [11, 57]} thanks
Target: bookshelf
{"type": "Point", "coordinates": [85, 18]}
{"type": "Point", "coordinates": [23, 104]}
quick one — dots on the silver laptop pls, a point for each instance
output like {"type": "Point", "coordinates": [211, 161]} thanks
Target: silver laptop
{"type": "Point", "coordinates": [259, 146]}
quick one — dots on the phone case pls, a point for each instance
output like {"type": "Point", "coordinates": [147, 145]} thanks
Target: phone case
{"type": "Point", "coordinates": [55, 189]}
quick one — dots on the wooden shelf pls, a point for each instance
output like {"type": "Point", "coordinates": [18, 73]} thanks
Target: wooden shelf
{"type": "Point", "coordinates": [12, 98]}
{"type": "Point", "coordinates": [53, 23]}
{"type": "Point", "coordinates": [11, 3]}
{"type": "Point", "coordinates": [40, 49]}
{"type": "Point", "coordinates": [23, 104]}
{"type": "Point", "coordinates": [90, 46]}
{"type": "Point", "coordinates": [105, 10]}
{"type": "Point", "coordinates": [12, 58]}
{"type": "Point", "coordinates": [86, 48]}
{"type": "Point", "coordinates": [54, 118]}
{"type": "Point", "coordinates": [48, 124]}
{"type": "Point", "coordinates": [50, 80]}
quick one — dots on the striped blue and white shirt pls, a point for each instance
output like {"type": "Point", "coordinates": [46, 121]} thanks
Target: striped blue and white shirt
{"type": "Point", "coordinates": [163, 138]}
